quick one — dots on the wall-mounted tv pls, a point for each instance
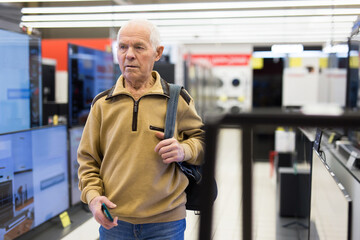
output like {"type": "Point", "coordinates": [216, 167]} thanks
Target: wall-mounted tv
{"type": "Point", "coordinates": [33, 178]}
{"type": "Point", "coordinates": [35, 81]}
{"type": "Point", "coordinates": [353, 74]}
{"type": "Point", "coordinates": [90, 72]}
{"type": "Point", "coordinates": [15, 81]}
{"type": "Point", "coordinates": [353, 79]}
{"type": "Point", "coordinates": [353, 67]}
{"type": "Point", "coordinates": [331, 205]}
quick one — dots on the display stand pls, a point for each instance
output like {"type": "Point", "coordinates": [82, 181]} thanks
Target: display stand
{"type": "Point", "coordinates": [294, 195]}
{"type": "Point", "coordinates": [246, 121]}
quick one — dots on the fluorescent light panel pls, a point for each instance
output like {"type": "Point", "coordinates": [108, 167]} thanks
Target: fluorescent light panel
{"type": "Point", "coordinates": [194, 15]}
{"type": "Point", "coordinates": [251, 26]}
{"type": "Point", "coordinates": [257, 28]}
{"type": "Point", "coordinates": [287, 48]}
{"type": "Point", "coordinates": [339, 48]}
{"type": "Point", "coordinates": [208, 31]}
{"type": "Point", "coordinates": [190, 6]}
{"type": "Point", "coordinates": [183, 31]}
{"type": "Point", "coordinates": [252, 21]}
{"type": "Point", "coordinates": [52, 1]}
{"type": "Point", "coordinates": [254, 35]}
{"type": "Point", "coordinates": [309, 40]}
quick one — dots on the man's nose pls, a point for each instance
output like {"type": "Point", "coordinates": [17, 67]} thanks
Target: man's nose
{"type": "Point", "coordinates": [130, 53]}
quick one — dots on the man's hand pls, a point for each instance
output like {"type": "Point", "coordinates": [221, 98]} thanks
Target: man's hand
{"type": "Point", "coordinates": [95, 208]}
{"type": "Point", "coordinates": [170, 149]}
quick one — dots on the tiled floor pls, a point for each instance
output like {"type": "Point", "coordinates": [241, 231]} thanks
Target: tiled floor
{"type": "Point", "coordinates": [227, 216]}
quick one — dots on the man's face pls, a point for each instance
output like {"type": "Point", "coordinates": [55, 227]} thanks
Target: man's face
{"type": "Point", "coordinates": [136, 54]}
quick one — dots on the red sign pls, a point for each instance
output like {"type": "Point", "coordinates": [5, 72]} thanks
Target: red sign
{"type": "Point", "coordinates": [223, 59]}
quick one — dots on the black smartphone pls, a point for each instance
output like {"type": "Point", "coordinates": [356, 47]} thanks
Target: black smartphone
{"type": "Point", "coordinates": [106, 212]}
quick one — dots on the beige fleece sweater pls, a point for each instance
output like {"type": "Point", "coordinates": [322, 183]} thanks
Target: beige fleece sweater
{"type": "Point", "coordinates": [117, 158]}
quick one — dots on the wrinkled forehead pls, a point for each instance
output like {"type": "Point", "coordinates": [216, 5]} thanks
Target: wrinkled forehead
{"type": "Point", "coordinates": [135, 30]}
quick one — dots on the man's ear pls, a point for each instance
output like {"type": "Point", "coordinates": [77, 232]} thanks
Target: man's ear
{"type": "Point", "coordinates": [159, 51]}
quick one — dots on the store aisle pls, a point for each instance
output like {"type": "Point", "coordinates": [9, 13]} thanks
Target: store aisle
{"type": "Point", "coordinates": [227, 215]}
{"type": "Point", "coordinates": [88, 230]}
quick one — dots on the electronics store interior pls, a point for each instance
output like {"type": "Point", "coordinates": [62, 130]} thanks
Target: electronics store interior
{"type": "Point", "coordinates": [276, 84]}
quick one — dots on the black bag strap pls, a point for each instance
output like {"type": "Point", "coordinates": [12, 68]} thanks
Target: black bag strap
{"type": "Point", "coordinates": [171, 110]}
{"type": "Point", "coordinates": [190, 170]}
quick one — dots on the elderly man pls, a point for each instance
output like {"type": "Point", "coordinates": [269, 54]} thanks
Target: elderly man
{"type": "Point", "coordinates": [124, 160]}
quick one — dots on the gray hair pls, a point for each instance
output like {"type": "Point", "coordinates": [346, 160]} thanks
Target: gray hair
{"type": "Point", "coordinates": [154, 31]}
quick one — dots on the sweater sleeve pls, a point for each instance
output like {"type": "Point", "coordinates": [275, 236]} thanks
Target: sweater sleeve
{"type": "Point", "coordinates": [89, 158]}
{"type": "Point", "coordinates": [191, 135]}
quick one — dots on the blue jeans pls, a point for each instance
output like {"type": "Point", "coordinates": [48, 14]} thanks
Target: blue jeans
{"type": "Point", "coordinates": [154, 231]}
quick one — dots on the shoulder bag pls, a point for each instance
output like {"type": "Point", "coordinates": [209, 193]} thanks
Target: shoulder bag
{"type": "Point", "coordinates": [192, 172]}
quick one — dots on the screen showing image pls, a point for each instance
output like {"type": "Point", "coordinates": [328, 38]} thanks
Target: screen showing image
{"type": "Point", "coordinates": [90, 72]}
{"type": "Point", "coordinates": [15, 82]}
{"type": "Point", "coordinates": [317, 141]}
{"type": "Point", "coordinates": [330, 214]}
{"type": "Point", "coordinates": [35, 81]}
{"type": "Point", "coordinates": [353, 78]}
{"type": "Point", "coordinates": [34, 183]}
{"type": "Point", "coordinates": [353, 73]}
{"type": "Point", "coordinates": [75, 134]}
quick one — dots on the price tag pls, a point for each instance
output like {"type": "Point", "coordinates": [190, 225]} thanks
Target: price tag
{"type": "Point", "coordinates": [331, 138]}
{"type": "Point", "coordinates": [257, 63]}
{"type": "Point", "coordinates": [65, 219]}
{"type": "Point", "coordinates": [354, 62]}
{"type": "Point", "coordinates": [295, 62]}
{"type": "Point", "coordinates": [323, 62]}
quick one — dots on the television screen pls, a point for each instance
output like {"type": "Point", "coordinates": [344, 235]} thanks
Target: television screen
{"type": "Point", "coordinates": [353, 86]}
{"type": "Point", "coordinates": [48, 79]}
{"type": "Point", "coordinates": [75, 137]}
{"type": "Point", "coordinates": [34, 182]}
{"type": "Point", "coordinates": [166, 70]}
{"type": "Point", "coordinates": [317, 141]}
{"type": "Point", "coordinates": [353, 74]}
{"type": "Point", "coordinates": [90, 72]}
{"type": "Point", "coordinates": [330, 214]}
{"type": "Point", "coordinates": [15, 81]}
{"type": "Point", "coordinates": [35, 81]}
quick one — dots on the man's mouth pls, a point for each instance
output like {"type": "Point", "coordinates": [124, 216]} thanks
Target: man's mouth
{"type": "Point", "coordinates": [130, 66]}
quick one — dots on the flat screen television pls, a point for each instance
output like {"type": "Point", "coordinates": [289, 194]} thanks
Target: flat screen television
{"type": "Point", "coordinates": [353, 79]}
{"type": "Point", "coordinates": [35, 69]}
{"type": "Point", "coordinates": [353, 73]}
{"type": "Point", "coordinates": [317, 141]}
{"type": "Point", "coordinates": [90, 72]}
{"type": "Point", "coordinates": [48, 67]}
{"type": "Point", "coordinates": [75, 134]}
{"type": "Point", "coordinates": [20, 68]}
{"type": "Point", "coordinates": [166, 70]}
{"type": "Point", "coordinates": [331, 205]}
{"type": "Point", "coordinates": [15, 81]}
{"type": "Point", "coordinates": [34, 178]}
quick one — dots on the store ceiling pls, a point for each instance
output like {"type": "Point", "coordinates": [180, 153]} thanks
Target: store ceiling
{"type": "Point", "coordinates": [259, 22]}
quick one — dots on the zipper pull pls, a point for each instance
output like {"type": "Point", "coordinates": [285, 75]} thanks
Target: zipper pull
{"type": "Point", "coordinates": [135, 115]}
{"type": "Point", "coordinates": [136, 103]}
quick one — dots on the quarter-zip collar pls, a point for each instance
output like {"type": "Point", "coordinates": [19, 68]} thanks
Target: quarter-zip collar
{"type": "Point", "coordinates": [160, 87]}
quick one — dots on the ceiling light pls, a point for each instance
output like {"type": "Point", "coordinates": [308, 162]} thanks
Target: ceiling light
{"type": "Point", "coordinates": [253, 21]}
{"type": "Point", "coordinates": [339, 48]}
{"type": "Point", "coordinates": [286, 48]}
{"type": "Point", "coordinates": [194, 15]}
{"type": "Point", "coordinates": [189, 6]}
